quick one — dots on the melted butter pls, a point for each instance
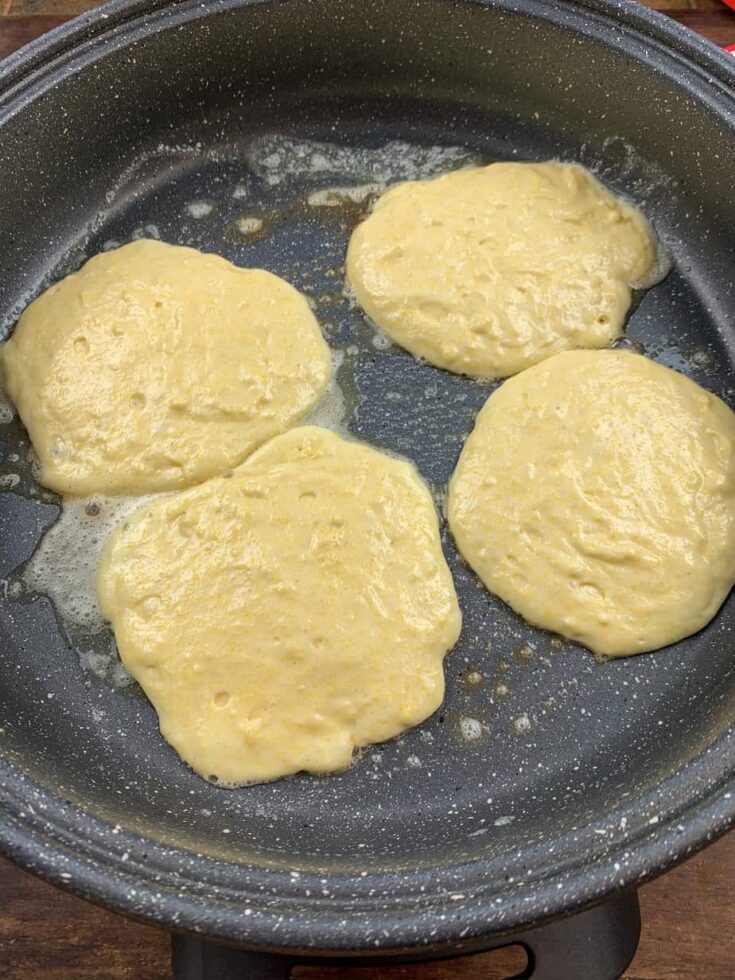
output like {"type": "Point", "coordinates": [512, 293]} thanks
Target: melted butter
{"type": "Point", "coordinates": [64, 565]}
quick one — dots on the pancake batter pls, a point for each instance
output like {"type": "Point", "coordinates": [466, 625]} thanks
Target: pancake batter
{"type": "Point", "coordinates": [155, 367]}
{"type": "Point", "coordinates": [284, 617]}
{"type": "Point", "coordinates": [596, 496]}
{"type": "Point", "coordinates": [489, 270]}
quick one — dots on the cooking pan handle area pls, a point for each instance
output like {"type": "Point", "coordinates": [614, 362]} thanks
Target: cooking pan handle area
{"type": "Point", "coordinates": [198, 959]}
{"type": "Point", "coordinates": [597, 944]}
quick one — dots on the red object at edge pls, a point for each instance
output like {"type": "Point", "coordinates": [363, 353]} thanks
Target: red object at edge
{"type": "Point", "coordinates": [730, 4]}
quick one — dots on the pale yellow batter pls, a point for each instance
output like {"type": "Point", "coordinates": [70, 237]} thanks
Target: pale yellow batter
{"type": "Point", "coordinates": [282, 617]}
{"type": "Point", "coordinates": [596, 496]}
{"type": "Point", "coordinates": [155, 367]}
{"type": "Point", "coordinates": [490, 270]}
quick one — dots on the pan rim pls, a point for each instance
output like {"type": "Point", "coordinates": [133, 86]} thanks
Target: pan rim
{"type": "Point", "coordinates": [88, 856]}
{"type": "Point", "coordinates": [27, 67]}
{"type": "Point", "coordinates": [23, 77]}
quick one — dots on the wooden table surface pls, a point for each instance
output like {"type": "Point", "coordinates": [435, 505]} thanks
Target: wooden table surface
{"type": "Point", "coordinates": [688, 915]}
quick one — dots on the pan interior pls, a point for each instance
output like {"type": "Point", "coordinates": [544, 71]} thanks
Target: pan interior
{"type": "Point", "coordinates": [535, 739]}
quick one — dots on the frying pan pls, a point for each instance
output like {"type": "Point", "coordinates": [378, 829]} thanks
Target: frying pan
{"type": "Point", "coordinates": [179, 118]}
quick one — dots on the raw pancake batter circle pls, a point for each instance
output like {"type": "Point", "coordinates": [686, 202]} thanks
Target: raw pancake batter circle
{"type": "Point", "coordinates": [156, 366]}
{"type": "Point", "coordinates": [280, 618]}
{"type": "Point", "coordinates": [489, 270]}
{"type": "Point", "coordinates": [596, 496]}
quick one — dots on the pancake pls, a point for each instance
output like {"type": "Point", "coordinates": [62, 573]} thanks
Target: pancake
{"type": "Point", "coordinates": [156, 366]}
{"type": "Point", "coordinates": [283, 617]}
{"type": "Point", "coordinates": [596, 496]}
{"type": "Point", "coordinates": [489, 270]}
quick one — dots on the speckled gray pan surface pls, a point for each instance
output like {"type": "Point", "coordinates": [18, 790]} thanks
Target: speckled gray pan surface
{"type": "Point", "coordinates": [546, 780]}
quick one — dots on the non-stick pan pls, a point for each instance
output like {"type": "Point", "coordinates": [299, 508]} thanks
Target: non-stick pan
{"type": "Point", "coordinates": [571, 781]}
